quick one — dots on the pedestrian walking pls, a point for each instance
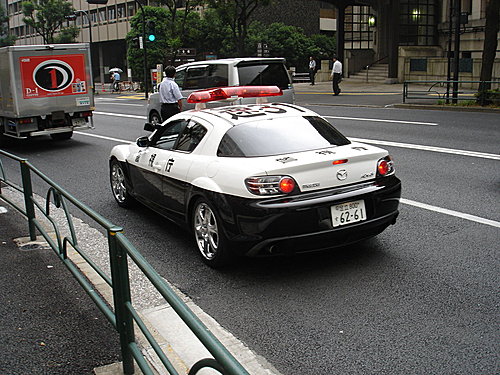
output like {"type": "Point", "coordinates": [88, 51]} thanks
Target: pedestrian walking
{"type": "Point", "coordinates": [116, 81]}
{"type": "Point", "coordinates": [170, 95]}
{"type": "Point", "coordinates": [312, 69]}
{"type": "Point", "coordinates": [336, 75]}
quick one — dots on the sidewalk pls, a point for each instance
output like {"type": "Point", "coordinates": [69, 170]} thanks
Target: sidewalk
{"type": "Point", "coordinates": [48, 324]}
{"type": "Point", "coordinates": [352, 94]}
{"type": "Point", "coordinates": [51, 326]}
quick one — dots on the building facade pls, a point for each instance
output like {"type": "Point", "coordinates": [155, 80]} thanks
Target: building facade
{"type": "Point", "coordinates": [412, 36]}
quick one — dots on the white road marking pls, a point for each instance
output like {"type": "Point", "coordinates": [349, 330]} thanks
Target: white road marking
{"type": "Point", "coordinates": [430, 148]}
{"type": "Point", "coordinates": [445, 211]}
{"type": "Point", "coordinates": [382, 120]}
{"type": "Point", "coordinates": [102, 137]}
{"type": "Point", "coordinates": [127, 104]}
{"type": "Point", "coordinates": [3, 210]}
{"type": "Point", "coordinates": [403, 200]}
{"type": "Point", "coordinates": [119, 115]}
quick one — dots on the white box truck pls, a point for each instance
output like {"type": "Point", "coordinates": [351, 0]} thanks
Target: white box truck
{"type": "Point", "coordinates": [45, 90]}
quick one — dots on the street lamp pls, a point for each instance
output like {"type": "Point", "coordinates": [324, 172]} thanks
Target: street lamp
{"type": "Point", "coordinates": [73, 17]}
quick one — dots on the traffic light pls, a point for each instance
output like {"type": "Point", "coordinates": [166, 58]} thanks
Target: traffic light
{"type": "Point", "coordinates": [150, 31]}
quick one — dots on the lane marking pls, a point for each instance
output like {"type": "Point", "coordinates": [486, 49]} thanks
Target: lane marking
{"type": "Point", "coordinates": [430, 148]}
{"type": "Point", "coordinates": [119, 115]}
{"type": "Point", "coordinates": [402, 200]}
{"type": "Point", "coordinates": [102, 137]}
{"type": "Point", "coordinates": [382, 120]}
{"type": "Point", "coordinates": [348, 93]}
{"type": "Point", "coordinates": [445, 211]}
{"type": "Point", "coordinates": [372, 141]}
{"type": "Point", "coordinates": [127, 104]}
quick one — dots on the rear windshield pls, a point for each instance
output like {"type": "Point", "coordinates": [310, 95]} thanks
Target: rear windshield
{"type": "Point", "coordinates": [261, 73]}
{"type": "Point", "coordinates": [278, 136]}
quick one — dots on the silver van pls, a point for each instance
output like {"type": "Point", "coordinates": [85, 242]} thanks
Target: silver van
{"type": "Point", "coordinates": [247, 71]}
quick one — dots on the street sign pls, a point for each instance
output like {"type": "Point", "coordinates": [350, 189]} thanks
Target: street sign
{"type": "Point", "coordinates": [159, 74]}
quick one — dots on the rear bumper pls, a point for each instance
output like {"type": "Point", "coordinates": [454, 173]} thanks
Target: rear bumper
{"type": "Point", "coordinates": [303, 223]}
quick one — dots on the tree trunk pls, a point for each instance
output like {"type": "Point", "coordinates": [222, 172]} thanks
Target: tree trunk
{"type": "Point", "coordinates": [490, 43]}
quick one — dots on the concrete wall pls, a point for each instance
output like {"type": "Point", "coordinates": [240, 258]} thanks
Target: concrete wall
{"type": "Point", "coordinates": [437, 66]}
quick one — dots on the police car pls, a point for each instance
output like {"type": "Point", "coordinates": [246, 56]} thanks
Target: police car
{"type": "Point", "coordinates": [257, 179]}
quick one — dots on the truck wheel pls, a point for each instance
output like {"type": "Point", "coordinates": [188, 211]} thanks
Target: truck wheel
{"type": "Point", "coordinates": [61, 136]}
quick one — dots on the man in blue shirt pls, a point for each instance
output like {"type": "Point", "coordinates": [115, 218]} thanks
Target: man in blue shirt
{"type": "Point", "coordinates": [170, 95]}
{"type": "Point", "coordinates": [116, 81]}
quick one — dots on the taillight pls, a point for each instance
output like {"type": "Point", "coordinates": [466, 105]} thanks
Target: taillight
{"type": "Point", "coordinates": [27, 120]}
{"type": "Point", "coordinates": [270, 185]}
{"type": "Point", "coordinates": [385, 167]}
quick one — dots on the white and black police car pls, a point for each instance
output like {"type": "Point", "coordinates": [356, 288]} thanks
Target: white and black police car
{"type": "Point", "coordinates": [257, 179]}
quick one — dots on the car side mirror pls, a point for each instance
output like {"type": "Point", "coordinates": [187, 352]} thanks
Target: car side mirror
{"type": "Point", "coordinates": [142, 141]}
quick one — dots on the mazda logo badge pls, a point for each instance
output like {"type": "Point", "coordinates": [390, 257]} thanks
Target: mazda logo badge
{"type": "Point", "coordinates": [342, 174]}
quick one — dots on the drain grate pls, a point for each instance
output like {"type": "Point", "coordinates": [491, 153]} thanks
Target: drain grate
{"type": "Point", "coordinates": [34, 246]}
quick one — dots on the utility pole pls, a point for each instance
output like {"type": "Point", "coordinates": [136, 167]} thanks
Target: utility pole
{"type": "Point", "coordinates": [456, 55]}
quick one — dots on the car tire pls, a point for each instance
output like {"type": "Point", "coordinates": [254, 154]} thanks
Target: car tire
{"type": "Point", "coordinates": [118, 184]}
{"type": "Point", "coordinates": [61, 136]}
{"type": "Point", "coordinates": [209, 235]}
{"type": "Point", "coordinates": [155, 118]}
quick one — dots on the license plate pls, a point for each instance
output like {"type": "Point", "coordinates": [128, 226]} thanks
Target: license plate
{"type": "Point", "coordinates": [79, 121]}
{"type": "Point", "coordinates": [83, 101]}
{"type": "Point", "coordinates": [348, 213]}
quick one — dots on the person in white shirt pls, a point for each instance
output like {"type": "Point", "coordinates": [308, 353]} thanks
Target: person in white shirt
{"type": "Point", "coordinates": [312, 69]}
{"type": "Point", "coordinates": [170, 95]}
{"type": "Point", "coordinates": [336, 75]}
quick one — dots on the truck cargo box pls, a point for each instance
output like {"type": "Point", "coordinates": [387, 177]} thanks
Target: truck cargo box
{"type": "Point", "coordinates": [45, 89]}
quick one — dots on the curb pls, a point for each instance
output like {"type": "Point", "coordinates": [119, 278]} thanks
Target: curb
{"type": "Point", "coordinates": [446, 108]}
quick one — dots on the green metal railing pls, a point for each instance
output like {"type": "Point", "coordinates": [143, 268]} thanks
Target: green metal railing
{"type": "Point", "coordinates": [123, 317]}
{"type": "Point", "coordinates": [441, 90]}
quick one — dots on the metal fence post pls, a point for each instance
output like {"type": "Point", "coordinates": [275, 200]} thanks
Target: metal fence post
{"type": "Point", "coordinates": [28, 198]}
{"type": "Point", "coordinates": [121, 296]}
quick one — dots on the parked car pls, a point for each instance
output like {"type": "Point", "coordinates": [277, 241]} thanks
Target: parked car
{"type": "Point", "coordinates": [258, 179]}
{"type": "Point", "coordinates": [251, 71]}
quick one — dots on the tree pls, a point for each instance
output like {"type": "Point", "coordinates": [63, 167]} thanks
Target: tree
{"type": "Point", "coordinates": [164, 48]}
{"type": "Point", "coordinates": [285, 41]}
{"type": "Point", "coordinates": [178, 22]}
{"type": "Point", "coordinates": [5, 38]}
{"type": "Point", "coordinates": [46, 17]}
{"type": "Point", "coordinates": [214, 35]}
{"type": "Point", "coordinates": [67, 35]}
{"type": "Point", "coordinates": [324, 46]}
{"type": "Point", "coordinates": [490, 43]}
{"type": "Point", "coordinates": [237, 15]}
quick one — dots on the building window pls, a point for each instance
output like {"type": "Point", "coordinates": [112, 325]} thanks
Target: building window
{"type": "Point", "coordinates": [93, 16]}
{"type": "Point", "coordinates": [131, 8]}
{"type": "Point", "coordinates": [120, 10]}
{"type": "Point", "coordinates": [111, 13]}
{"type": "Point", "coordinates": [358, 32]}
{"type": "Point", "coordinates": [418, 22]}
{"type": "Point", "coordinates": [102, 15]}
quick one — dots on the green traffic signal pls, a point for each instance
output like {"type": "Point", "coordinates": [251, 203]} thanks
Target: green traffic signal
{"type": "Point", "coordinates": [151, 30]}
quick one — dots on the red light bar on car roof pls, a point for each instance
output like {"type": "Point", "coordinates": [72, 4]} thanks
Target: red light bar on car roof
{"type": "Point", "coordinates": [221, 93]}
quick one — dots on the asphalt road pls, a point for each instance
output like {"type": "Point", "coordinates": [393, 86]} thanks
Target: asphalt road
{"type": "Point", "coordinates": [421, 298]}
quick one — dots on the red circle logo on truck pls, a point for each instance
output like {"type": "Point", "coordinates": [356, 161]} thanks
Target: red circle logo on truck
{"type": "Point", "coordinates": [53, 75]}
